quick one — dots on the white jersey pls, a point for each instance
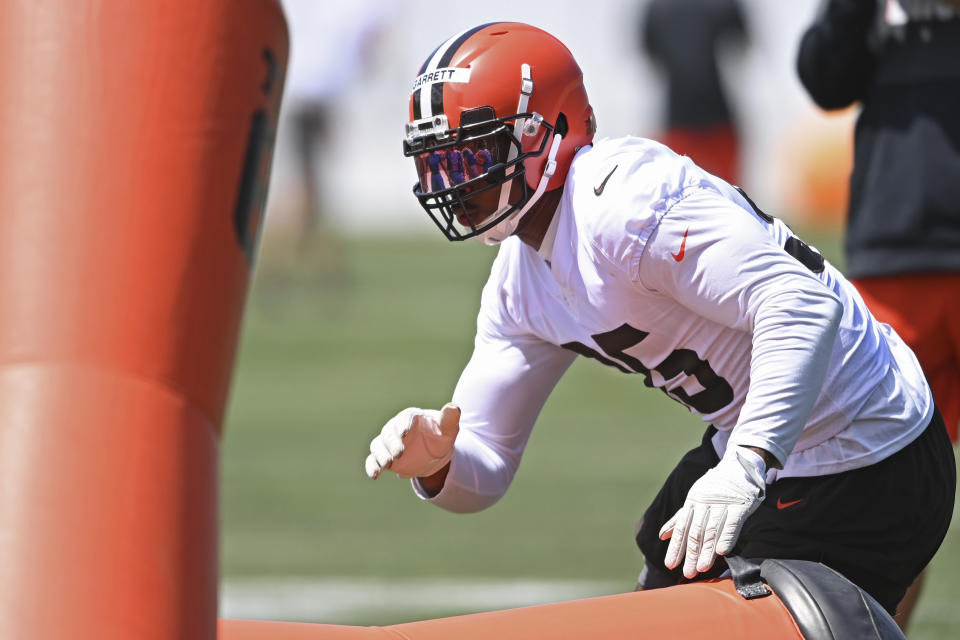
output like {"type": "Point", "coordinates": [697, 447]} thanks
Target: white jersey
{"type": "Point", "coordinates": [655, 267]}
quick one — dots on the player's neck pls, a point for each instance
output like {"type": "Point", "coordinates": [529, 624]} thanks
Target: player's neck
{"type": "Point", "coordinates": [536, 221]}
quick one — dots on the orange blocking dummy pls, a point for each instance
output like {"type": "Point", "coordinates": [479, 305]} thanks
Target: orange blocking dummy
{"type": "Point", "coordinates": [783, 599]}
{"type": "Point", "coordinates": [135, 143]}
{"type": "Point", "coordinates": [700, 611]}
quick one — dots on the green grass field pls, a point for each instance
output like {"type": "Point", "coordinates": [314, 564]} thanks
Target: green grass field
{"type": "Point", "coordinates": [324, 361]}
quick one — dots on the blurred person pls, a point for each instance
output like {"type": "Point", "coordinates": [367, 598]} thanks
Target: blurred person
{"type": "Point", "coordinates": [901, 60]}
{"type": "Point", "coordinates": [824, 442]}
{"type": "Point", "coordinates": [436, 160]}
{"type": "Point", "coordinates": [682, 38]}
{"type": "Point", "coordinates": [455, 163]}
{"type": "Point", "coordinates": [331, 44]}
{"type": "Point", "coordinates": [484, 158]}
{"type": "Point", "coordinates": [470, 163]}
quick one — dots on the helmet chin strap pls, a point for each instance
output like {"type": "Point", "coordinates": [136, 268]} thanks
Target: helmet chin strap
{"type": "Point", "coordinates": [526, 90]}
{"type": "Point", "coordinates": [506, 227]}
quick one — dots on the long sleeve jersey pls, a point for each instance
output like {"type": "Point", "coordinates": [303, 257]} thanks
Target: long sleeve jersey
{"type": "Point", "coordinates": [657, 268]}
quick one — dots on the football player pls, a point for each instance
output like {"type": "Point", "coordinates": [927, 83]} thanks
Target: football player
{"type": "Point", "coordinates": [823, 440]}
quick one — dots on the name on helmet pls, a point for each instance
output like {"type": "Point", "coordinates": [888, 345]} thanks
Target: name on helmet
{"type": "Point", "coordinates": [446, 74]}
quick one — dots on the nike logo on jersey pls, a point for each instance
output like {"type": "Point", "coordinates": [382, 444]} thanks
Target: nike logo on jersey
{"type": "Point", "coordinates": [598, 190]}
{"type": "Point", "coordinates": [783, 505]}
{"type": "Point", "coordinates": [678, 256]}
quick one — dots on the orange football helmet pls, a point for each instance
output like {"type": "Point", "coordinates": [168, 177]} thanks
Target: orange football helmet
{"type": "Point", "coordinates": [497, 113]}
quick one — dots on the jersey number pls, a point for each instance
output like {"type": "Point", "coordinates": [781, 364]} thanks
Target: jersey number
{"type": "Point", "coordinates": [800, 250]}
{"type": "Point", "coordinates": [716, 393]}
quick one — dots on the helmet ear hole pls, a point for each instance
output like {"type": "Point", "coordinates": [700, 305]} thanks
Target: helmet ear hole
{"type": "Point", "coordinates": [562, 126]}
{"type": "Point", "coordinates": [477, 115]}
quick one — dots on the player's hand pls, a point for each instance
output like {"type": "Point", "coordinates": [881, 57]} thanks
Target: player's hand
{"type": "Point", "coordinates": [415, 443]}
{"type": "Point", "coordinates": [716, 507]}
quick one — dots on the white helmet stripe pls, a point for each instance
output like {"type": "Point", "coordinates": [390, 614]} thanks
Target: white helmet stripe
{"type": "Point", "coordinates": [430, 102]}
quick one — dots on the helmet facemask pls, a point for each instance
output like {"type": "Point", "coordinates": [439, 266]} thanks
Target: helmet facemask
{"type": "Point", "coordinates": [472, 178]}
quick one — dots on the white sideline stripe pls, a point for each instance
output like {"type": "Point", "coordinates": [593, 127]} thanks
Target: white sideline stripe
{"type": "Point", "coordinates": [335, 599]}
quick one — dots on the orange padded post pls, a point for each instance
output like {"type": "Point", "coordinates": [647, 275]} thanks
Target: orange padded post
{"type": "Point", "coordinates": [697, 611]}
{"type": "Point", "coordinates": [135, 142]}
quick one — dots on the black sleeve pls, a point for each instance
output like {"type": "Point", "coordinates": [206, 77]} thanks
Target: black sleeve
{"type": "Point", "coordinates": [835, 63]}
{"type": "Point", "coordinates": [650, 29]}
{"type": "Point", "coordinates": [735, 25]}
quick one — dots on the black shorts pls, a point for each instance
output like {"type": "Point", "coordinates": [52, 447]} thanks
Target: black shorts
{"type": "Point", "coordinates": [879, 525]}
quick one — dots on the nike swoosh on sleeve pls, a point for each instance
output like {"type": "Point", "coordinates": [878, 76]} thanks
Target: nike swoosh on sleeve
{"type": "Point", "coordinates": [598, 190]}
{"type": "Point", "coordinates": [678, 256]}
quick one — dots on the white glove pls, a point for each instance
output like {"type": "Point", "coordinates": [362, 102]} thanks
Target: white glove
{"type": "Point", "coordinates": [709, 522]}
{"type": "Point", "coordinates": [415, 443]}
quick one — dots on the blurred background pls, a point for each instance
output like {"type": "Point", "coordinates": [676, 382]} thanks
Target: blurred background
{"type": "Point", "coordinates": [361, 61]}
{"type": "Point", "coordinates": [360, 308]}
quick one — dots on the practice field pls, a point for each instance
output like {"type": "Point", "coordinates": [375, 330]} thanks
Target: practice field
{"type": "Point", "coordinates": [326, 359]}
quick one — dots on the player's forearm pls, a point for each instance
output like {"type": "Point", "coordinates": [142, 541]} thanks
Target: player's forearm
{"type": "Point", "coordinates": [476, 478]}
{"type": "Point", "coordinates": [502, 389]}
{"type": "Point", "coordinates": [793, 338]}
{"type": "Point", "coordinates": [432, 485]}
{"type": "Point", "coordinates": [769, 459]}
